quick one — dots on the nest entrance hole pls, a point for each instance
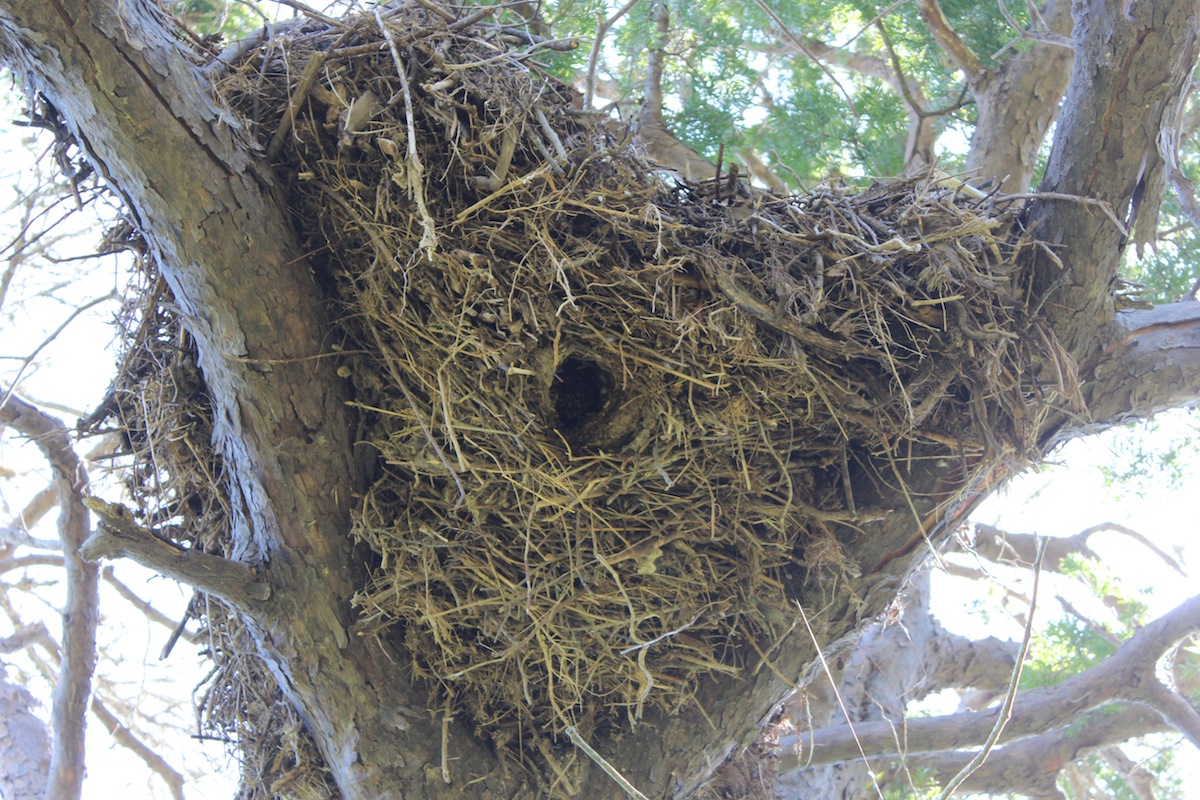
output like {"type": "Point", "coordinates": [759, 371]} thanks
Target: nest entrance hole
{"type": "Point", "coordinates": [581, 392]}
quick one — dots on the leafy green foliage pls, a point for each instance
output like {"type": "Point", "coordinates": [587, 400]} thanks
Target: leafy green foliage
{"type": "Point", "coordinates": [1065, 648]}
{"type": "Point", "coordinates": [225, 18]}
{"type": "Point", "coordinates": [1069, 646]}
{"type": "Point", "coordinates": [1168, 784]}
{"type": "Point", "coordinates": [1164, 450]}
{"type": "Point", "coordinates": [910, 784]}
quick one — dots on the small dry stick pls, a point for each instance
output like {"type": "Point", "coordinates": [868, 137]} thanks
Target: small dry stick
{"type": "Point", "coordinates": [307, 79]}
{"type": "Point", "coordinates": [621, 780]}
{"type": "Point", "coordinates": [838, 695]}
{"type": "Point", "coordinates": [416, 170]}
{"type": "Point", "coordinates": [1005, 712]}
{"type": "Point", "coordinates": [446, 717]}
{"type": "Point", "coordinates": [1086, 201]}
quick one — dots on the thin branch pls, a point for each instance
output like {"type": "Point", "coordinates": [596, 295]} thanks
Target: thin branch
{"type": "Point", "coordinates": [902, 83]}
{"type": "Point", "coordinates": [19, 536]}
{"type": "Point", "coordinates": [1046, 36]}
{"type": "Point", "coordinates": [81, 615]}
{"type": "Point", "coordinates": [118, 536]}
{"type": "Point", "coordinates": [795, 40]}
{"type": "Point", "coordinates": [1010, 698]}
{"type": "Point", "coordinates": [121, 733]}
{"type": "Point", "coordinates": [1116, 678]}
{"type": "Point", "coordinates": [1032, 765]}
{"type": "Point", "coordinates": [1092, 625]}
{"type": "Point", "coordinates": [27, 360]}
{"type": "Point", "coordinates": [27, 636]}
{"type": "Point", "coordinates": [841, 703]}
{"type": "Point", "coordinates": [125, 737]}
{"type": "Point", "coordinates": [1137, 777]}
{"type": "Point", "coordinates": [602, 28]}
{"type": "Point", "coordinates": [22, 562]}
{"type": "Point", "coordinates": [868, 65]}
{"type": "Point", "coordinates": [1177, 711]}
{"type": "Point", "coordinates": [151, 613]}
{"type": "Point", "coordinates": [1139, 538]}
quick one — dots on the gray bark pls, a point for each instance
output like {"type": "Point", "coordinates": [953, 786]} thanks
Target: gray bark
{"type": "Point", "coordinates": [893, 663]}
{"type": "Point", "coordinates": [139, 105]}
{"type": "Point", "coordinates": [24, 745]}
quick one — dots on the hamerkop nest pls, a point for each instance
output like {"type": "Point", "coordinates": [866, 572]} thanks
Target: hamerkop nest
{"type": "Point", "coordinates": [615, 413]}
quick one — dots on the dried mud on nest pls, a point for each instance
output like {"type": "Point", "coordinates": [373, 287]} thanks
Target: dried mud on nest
{"type": "Point", "coordinates": [616, 414]}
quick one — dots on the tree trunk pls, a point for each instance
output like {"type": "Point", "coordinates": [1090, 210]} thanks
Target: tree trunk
{"type": "Point", "coordinates": [1017, 102]}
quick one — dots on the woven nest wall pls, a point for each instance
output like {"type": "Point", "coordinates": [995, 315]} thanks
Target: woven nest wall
{"type": "Point", "coordinates": [617, 416]}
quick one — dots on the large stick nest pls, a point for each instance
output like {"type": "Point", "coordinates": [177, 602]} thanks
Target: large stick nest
{"type": "Point", "coordinates": [617, 415]}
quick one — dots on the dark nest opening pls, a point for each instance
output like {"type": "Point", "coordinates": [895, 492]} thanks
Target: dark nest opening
{"type": "Point", "coordinates": [616, 414]}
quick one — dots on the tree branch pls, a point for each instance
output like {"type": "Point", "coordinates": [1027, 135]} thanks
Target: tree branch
{"type": "Point", "coordinates": [26, 636]}
{"type": "Point", "coordinates": [196, 185]}
{"type": "Point", "coordinates": [1152, 363]}
{"type": "Point", "coordinates": [1016, 103]}
{"type": "Point", "coordinates": [661, 145]}
{"type": "Point", "coordinates": [1118, 677]}
{"type": "Point", "coordinates": [123, 736]}
{"type": "Point", "coordinates": [1003, 547]}
{"type": "Point", "coordinates": [1140, 779]}
{"type": "Point", "coordinates": [81, 615]}
{"type": "Point", "coordinates": [1004, 712]}
{"type": "Point", "coordinates": [1032, 765]}
{"type": "Point", "coordinates": [1120, 118]}
{"type": "Point", "coordinates": [603, 26]}
{"type": "Point", "coordinates": [1174, 708]}
{"type": "Point", "coordinates": [950, 42]}
{"type": "Point", "coordinates": [118, 536]}
{"type": "Point", "coordinates": [151, 613]}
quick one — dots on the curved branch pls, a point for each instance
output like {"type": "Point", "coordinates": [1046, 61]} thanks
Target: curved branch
{"type": "Point", "coordinates": [1003, 547]}
{"type": "Point", "coordinates": [151, 613]}
{"type": "Point", "coordinates": [1151, 364]}
{"type": "Point", "coordinates": [603, 26]}
{"type": "Point", "coordinates": [1032, 765]}
{"type": "Point", "coordinates": [1175, 709]}
{"type": "Point", "coordinates": [1122, 676]}
{"type": "Point", "coordinates": [950, 42]}
{"type": "Point", "coordinates": [118, 536]}
{"type": "Point", "coordinates": [123, 736]}
{"type": "Point", "coordinates": [81, 615]}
